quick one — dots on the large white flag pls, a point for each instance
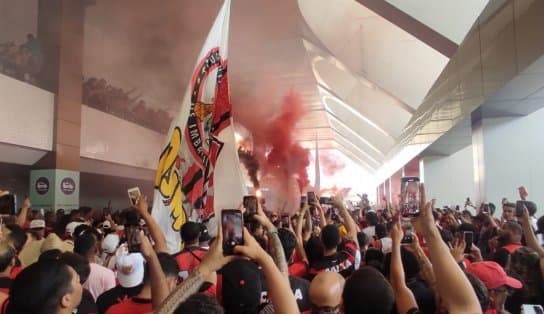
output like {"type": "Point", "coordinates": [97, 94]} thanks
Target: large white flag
{"type": "Point", "coordinates": [199, 171]}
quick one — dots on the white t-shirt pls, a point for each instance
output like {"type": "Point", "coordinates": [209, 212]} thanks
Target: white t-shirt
{"type": "Point", "coordinates": [101, 279]}
{"type": "Point", "coordinates": [370, 231]}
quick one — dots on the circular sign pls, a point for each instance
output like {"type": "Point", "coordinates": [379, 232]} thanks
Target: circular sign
{"type": "Point", "coordinates": [68, 186]}
{"type": "Point", "coordinates": [42, 185]}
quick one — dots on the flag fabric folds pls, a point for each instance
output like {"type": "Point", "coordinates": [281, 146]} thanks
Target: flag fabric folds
{"type": "Point", "coordinates": [200, 151]}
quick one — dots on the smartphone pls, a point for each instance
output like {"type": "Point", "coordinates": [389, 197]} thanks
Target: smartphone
{"type": "Point", "coordinates": [519, 208]}
{"type": "Point", "coordinates": [407, 238]}
{"type": "Point", "coordinates": [523, 192]}
{"type": "Point", "coordinates": [485, 208]}
{"type": "Point", "coordinates": [311, 198]}
{"type": "Point", "coordinates": [250, 204]}
{"type": "Point", "coordinates": [233, 235]}
{"type": "Point", "coordinates": [325, 200]}
{"type": "Point", "coordinates": [303, 199]}
{"type": "Point", "coordinates": [285, 221]}
{"type": "Point", "coordinates": [133, 238]}
{"type": "Point", "coordinates": [410, 196]}
{"type": "Point", "coordinates": [133, 195]}
{"type": "Point", "coordinates": [532, 309]}
{"type": "Point", "coordinates": [469, 239]}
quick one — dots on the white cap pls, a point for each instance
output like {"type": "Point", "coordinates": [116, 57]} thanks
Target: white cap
{"type": "Point", "coordinates": [71, 227]}
{"type": "Point", "coordinates": [110, 243]}
{"type": "Point", "coordinates": [37, 224]}
{"type": "Point", "coordinates": [130, 269]}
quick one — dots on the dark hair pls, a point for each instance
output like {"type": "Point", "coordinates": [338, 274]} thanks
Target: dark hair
{"type": "Point", "coordinates": [371, 218]}
{"type": "Point", "coordinates": [514, 226]}
{"type": "Point", "coordinates": [288, 241]}
{"type": "Point", "coordinates": [480, 290]}
{"type": "Point", "coordinates": [362, 238]}
{"type": "Point", "coordinates": [531, 207]}
{"type": "Point", "coordinates": [540, 224]}
{"type": "Point", "coordinates": [84, 244]}
{"type": "Point", "coordinates": [314, 249]}
{"type": "Point", "coordinates": [85, 210]}
{"type": "Point", "coordinates": [16, 237]}
{"type": "Point", "coordinates": [409, 263]}
{"type": "Point", "coordinates": [169, 265]}
{"type": "Point", "coordinates": [380, 231]}
{"type": "Point", "coordinates": [199, 303]}
{"type": "Point", "coordinates": [78, 263]}
{"type": "Point", "coordinates": [492, 208]}
{"type": "Point", "coordinates": [509, 204]}
{"type": "Point", "coordinates": [190, 232]}
{"type": "Point", "coordinates": [374, 258]}
{"type": "Point", "coordinates": [39, 288]}
{"type": "Point", "coordinates": [367, 291]}
{"type": "Point", "coordinates": [7, 253]}
{"type": "Point", "coordinates": [80, 230]}
{"type": "Point", "coordinates": [501, 257]}
{"type": "Point", "coordinates": [330, 236]}
{"type": "Point", "coordinates": [50, 255]}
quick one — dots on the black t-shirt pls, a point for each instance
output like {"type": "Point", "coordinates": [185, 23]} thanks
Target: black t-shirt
{"type": "Point", "coordinates": [300, 288]}
{"type": "Point", "coordinates": [342, 262]}
{"type": "Point", "coordinates": [423, 294]}
{"type": "Point", "coordinates": [87, 305]}
{"type": "Point", "coordinates": [115, 295]}
{"type": "Point", "coordinates": [5, 284]}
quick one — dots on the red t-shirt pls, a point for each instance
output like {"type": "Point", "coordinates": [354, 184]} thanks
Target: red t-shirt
{"type": "Point", "coordinates": [190, 258]}
{"type": "Point", "coordinates": [512, 247]}
{"type": "Point", "coordinates": [133, 305]}
{"type": "Point", "coordinates": [298, 269]}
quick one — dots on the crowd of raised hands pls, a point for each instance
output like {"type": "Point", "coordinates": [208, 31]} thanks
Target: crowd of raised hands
{"type": "Point", "coordinates": [320, 258]}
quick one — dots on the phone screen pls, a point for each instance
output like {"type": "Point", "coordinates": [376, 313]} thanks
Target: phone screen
{"type": "Point", "coordinates": [469, 239]}
{"type": "Point", "coordinates": [311, 198]}
{"type": "Point", "coordinates": [285, 221]}
{"type": "Point", "coordinates": [410, 196]}
{"type": "Point", "coordinates": [532, 309]}
{"type": "Point", "coordinates": [250, 204]}
{"type": "Point", "coordinates": [231, 224]}
{"type": "Point", "coordinates": [133, 195]}
{"type": "Point", "coordinates": [519, 208]}
{"type": "Point", "coordinates": [303, 199]}
{"type": "Point", "coordinates": [407, 239]}
{"type": "Point", "coordinates": [133, 238]}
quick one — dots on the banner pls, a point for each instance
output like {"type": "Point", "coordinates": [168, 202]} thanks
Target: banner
{"type": "Point", "coordinates": [199, 171]}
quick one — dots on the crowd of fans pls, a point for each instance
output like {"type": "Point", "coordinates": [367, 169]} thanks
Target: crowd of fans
{"type": "Point", "coordinates": [322, 259]}
{"type": "Point", "coordinates": [99, 94]}
{"type": "Point", "coordinates": [22, 62]}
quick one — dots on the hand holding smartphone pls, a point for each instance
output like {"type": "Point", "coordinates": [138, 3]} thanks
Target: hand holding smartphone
{"type": "Point", "coordinates": [133, 195]}
{"type": "Point", "coordinates": [133, 238]}
{"type": "Point", "coordinates": [519, 208]}
{"type": "Point", "coordinates": [469, 239]}
{"type": "Point", "coordinates": [311, 198]}
{"type": "Point", "coordinates": [232, 229]}
{"type": "Point", "coordinates": [250, 204]}
{"type": "Point", "coordinates": [410, 196]}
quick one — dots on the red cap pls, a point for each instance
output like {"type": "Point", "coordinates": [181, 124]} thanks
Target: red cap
{"type": "Point", "coordinates": [493, 275]}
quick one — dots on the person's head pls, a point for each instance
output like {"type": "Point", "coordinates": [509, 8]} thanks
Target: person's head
{"type": "Point", "coordinates": [241, 287]}
{"type": "Point", "coordinates": [78, 263]}
{"type": "Point", "coordinates": [86, 212]}
{"type": "Point", "coordinates": [409, 263]}
{"type": "Point", "coordinates": [130, 269]}
{"type": "Point", "coordinates": [37, 226]}
{"type": "Point", "coordinates": [326, 292]}
{"type": "Point", "coordinates": [495, 279]}
{"type": "Point", "coordinates": [170, 269]}
{"type": "Point", "coordinates": [374, 258]}
{"type": "Point", "coordinates": [381, 231]}
{"type": "Point", "coordinates": [363, 240]}
{"type": "Point", "coordinates": [15, 236]}
{"type": "Point", "coordinates": [531, 208]}
{"type": "Point", "coordinates": [200, 303]}
{"type": "Point", "coordinates": [510, 232]}
{"type": "Point", "coordinates": [190, 232]}
{"type": "Point", "coordinates": [86, 245]}
{"type": "Point", "coordinates": [525, 262]}
{"type": "Point", "coordinates": [7, 257]}
{"type": "Point", "coordinates": [80, 230]}
{"type": "Point", "coordinates": [288, 241]}
{"type": "Point", "coordinates": [314, 249]}
{"type": "Point", "coordinates": [71, 228]}
{"type": "Point", "coordinates": [204, 238]}
{"type": "Point", "coordinates": [540, 224]}
{"type": "Point", "coordinates": [480, 289]}
{"type": "Point", "coordinates": [47, 286]}
{"type": "Point", "coordinates": [367, 291]}
{"type": "Point", "coordinates": [509, 211]}
{"type": "Point", "coordinates": [371, 218]}
{"type": "Point", "coordinates": [330, 237]}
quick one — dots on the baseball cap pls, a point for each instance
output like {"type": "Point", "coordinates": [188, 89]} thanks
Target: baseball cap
{"type": "Point", "coordinates": [54, 242]}
{"type": "Point", "coordinates": [110, 243]}
{"type": "Point", "coordinates": [130, 269]}
{"type": "Point", "coordinates": [240, 284]}
{"type": "Point", "coordinates": [204, 234]}
{"type": "Point", "coordinates": [493, 275]}
{"type": "Point", "coordinates": [70, 227]}
{"type": "Point", "coordinates": [37, 224]}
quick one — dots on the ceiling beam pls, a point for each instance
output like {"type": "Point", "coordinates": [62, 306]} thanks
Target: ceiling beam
{"type": "Point", "coordinates": [412, 26]}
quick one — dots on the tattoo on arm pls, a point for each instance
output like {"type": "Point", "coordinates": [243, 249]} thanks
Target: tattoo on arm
{"type": "Point", "coordinates": [182, 292]}
{"type": "Point", "coordinates": [277, 253]}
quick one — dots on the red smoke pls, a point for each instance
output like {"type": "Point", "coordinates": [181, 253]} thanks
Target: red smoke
{"type": "Point", "coordinates": [274, 146]}
{"type": "Point", "coordinates": [330, 164]}
{"type": "Point", "coordinates": [252, 165]}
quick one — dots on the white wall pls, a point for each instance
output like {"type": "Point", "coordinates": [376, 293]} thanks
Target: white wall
{"type": "Point", "coordinates": [27, 114]}
{"type": "Point", "coordinates": [514, 156]}
{"type": "Point", "coordinates": [450, 179]}
{"type": "Point", "coordinates": [109, 138]}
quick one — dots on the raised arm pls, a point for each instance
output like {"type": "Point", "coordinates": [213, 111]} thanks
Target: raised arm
{"type": "Point", "coordinates": [154, 229]}
{"type": "Point", "coordinates": [159, 288]}
{"type": "Point", "coordinates": [281, 296]}
{"type": "Point", "coordinates": [275, 247]}
{"type": "Point", "coordinates": [530, 237]}
{"type": "Point", "coordinates": [349, 223]}
{"type": "Point", "coordinates": [404, 298]}
{"type": "Point", "coordinates": [298, 232]}
{"type": "Point", "coordinates": [453, 286]}
{"type": "Point", "coordinates": [21, 217]}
